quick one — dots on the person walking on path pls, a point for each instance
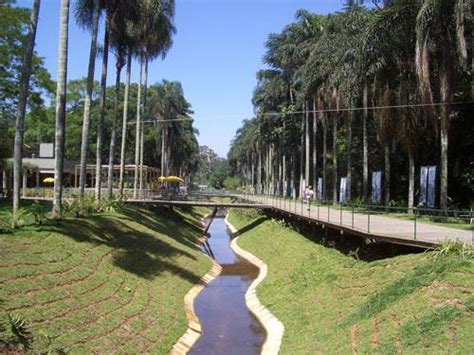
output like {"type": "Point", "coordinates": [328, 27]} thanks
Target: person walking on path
{"type": "Point", "coordinates": [309, 194]}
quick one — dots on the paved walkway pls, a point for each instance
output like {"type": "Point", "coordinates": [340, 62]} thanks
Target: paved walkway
{"type": "Point", "coordinates": [370, 225]}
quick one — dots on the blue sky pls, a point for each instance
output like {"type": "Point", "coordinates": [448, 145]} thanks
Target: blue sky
{"type": "Point", "coordinates": [217, 51]}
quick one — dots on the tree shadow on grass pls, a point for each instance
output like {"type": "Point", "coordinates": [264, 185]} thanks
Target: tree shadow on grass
{"type": "Point", "coordinates": [138, 251]}
{"type": "Point", "coordinates": [252, 225]}
{"type": "Point", "coordinates": [164, 220]}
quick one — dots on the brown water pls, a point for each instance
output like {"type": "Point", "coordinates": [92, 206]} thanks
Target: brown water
{"type": "Point", "coordinates": [228, 325]}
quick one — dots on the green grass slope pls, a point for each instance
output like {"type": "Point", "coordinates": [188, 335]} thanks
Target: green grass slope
{"type": "Point", "coordinates": [333, 303]}
{"type": "Point", "coordinates": [109, 283]}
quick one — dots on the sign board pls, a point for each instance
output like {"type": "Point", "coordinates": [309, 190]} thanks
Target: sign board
{"type": "Point", "coordinates": [342, 190]}
{"type": "Point", "coordinates": [319, 191]}
{"type": "Point", "coordinates": [46, 150]}
{"type": "Point", "coordinates": [427, 186]}
{"type": "Point", "coordinates": [376, 186]}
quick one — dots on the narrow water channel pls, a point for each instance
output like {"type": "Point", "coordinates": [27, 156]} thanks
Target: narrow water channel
{"type": "Point", "coordinates": [227, 324]}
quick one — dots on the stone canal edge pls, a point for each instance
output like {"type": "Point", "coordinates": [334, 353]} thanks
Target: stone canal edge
{"type": "Point", "coordinates": [194, 331]}
{"type": "Point", "coordinates": [272, 325]}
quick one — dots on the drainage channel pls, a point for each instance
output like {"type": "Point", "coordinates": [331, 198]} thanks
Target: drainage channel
{"type": "Point", "coordinates": [228, 326]}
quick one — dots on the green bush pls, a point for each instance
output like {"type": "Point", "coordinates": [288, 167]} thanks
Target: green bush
{"type": "Point", "coordinates": [232, 183]}
{"type": "Point", "coordinates": [18, 220]}
{"type": "Point", "coordinates": [88, 205]}
{"type": "Point", "coordinates": [454, 248]}
{"type": "Point", "coordinates": [15, 334]}
{"type": "Point", "coordinates": [38, 212]}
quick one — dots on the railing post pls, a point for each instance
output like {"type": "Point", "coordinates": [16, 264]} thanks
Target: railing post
{"type": "Point", "coordinates": [368, 220]}
{"type": "Point", "coordinates": [318, 209]}
{"type": "Point", "coordinates": [340, 214]}
{"type": "Point", "coordinates": [414, 222]}
{"type": "Point", "coordinates": [328, 213]}
{"type": "Point", "coordinates": [352, 223]}
{"type": "Point", "coordinates": [471, 224]}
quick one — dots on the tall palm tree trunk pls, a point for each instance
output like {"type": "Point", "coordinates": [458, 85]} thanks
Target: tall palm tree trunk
{"type": "Point", "coordinates": [302, 150]}
{"type": "Point", "coordinates": [283, 172]}
{"type": "Point", "coordinates": [88, 100]}
{"type": "Point", "coordinates": [283, 160]}
{"type": "Point", "coordinates": [253, 172]}
{"type": "Point", "coordinates": [350, 119]}
{"type": "Point", "coordinates": [163, 149]}
{"type": "Point", "coordinates": [315, 145]}
{"type": "Point", "coordinates": [411, 180]}
{"type": "Point", "coordinates": [21, 110]}
{"type": "Point", "coordinates": [387, 172]}
{"type": "Point", "coordinates": [60, 108]}
{"type": "Point", "coordinates": [307, 146]}
{"type": "Point", "coordinates": [142, 131]}
{"type": "Point", "coordinates": [334, 160]}
{"type": "Point", "coordinates": [100, 122]}
{"type": "Point", "coordinates": [138, 130]}
{"type": "Point", "coordinates": [271, 169]}
{"type": "Point", "coordinates": [294, 173]}
{"type": "Point", "coordinates": [325, 153]}
{"type": "Point", "coordinates": [365, 146]}
{"type": "Point", "coordinates": [124, 123]}
{"type": "Point", "coordinates": [259, 171]}
{"type": "Point", "coordinates": [334, 151]}
{"type": "Point", "coordinates": [113, 133]}
{"type": "Point", "coordinates": [446, 90]}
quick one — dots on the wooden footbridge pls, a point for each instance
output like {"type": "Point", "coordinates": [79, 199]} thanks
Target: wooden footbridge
{"type": "Point", "coordinates": [366, 224]}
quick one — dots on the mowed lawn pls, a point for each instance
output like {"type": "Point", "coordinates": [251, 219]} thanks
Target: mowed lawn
{"type": "Point", "coordinates": [112, 282]}
{"type": "Point", "coordinates": [333, 303]}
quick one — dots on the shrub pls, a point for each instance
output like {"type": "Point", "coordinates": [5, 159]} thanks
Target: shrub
{"type": "Point", "coordinates": [38, 212]}
{"type": "Point", "coordinates": [454, 248]}
{"type": "Point", "coordinates": [15, 334]}
{"type": "Point", "coordinates": [18, 220]}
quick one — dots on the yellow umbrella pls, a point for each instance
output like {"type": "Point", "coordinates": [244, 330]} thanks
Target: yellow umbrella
{"type": "Point", "coordinates": [162, 178]}
{"type": "Point", "coordinates": [48, 180]}
{"type": "Point", "coordinates": [174, 179]}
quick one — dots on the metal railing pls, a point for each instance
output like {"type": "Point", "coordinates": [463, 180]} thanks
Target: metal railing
{"type": "Point", "coordinates": [412, 223]}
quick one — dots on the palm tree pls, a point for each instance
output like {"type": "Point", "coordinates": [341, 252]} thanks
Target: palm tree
{"type": "Point", "coordinates": [440, 38]}
{"type": "Point", "coordinates": [119, 13]}
{"type": "Point", "coordinates": [336, 99]}
{"type": "Point", "coordinates": [155, 29]}
{"type": "Point", "coordinates": [385, 127]}
{"type": "Point", "coordinates": [138, 129]}
{"type": "Point", "coordinates": [90, 84]}
{"type": "Point", "coordinates": [169, 104]}
{"type": "Point", "coordinates": [124, 122]}
{"type": "Point", "coordinates": [100, 121]}
{"type": "Point", "coordinates": [60, 107]}
{"type": "Point", "coordinates": [20, 115]}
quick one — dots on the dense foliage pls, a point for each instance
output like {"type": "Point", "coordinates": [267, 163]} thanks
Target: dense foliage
{"type": "Point", "coordinates": [366, 89]}
{"type": "Point", "coordinates": [160, 101]}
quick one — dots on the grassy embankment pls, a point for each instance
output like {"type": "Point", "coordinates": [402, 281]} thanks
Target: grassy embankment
{"type": "Point", "coordinates": [111, 282]}
{"type": "Point", "coordinates": [333, 303]}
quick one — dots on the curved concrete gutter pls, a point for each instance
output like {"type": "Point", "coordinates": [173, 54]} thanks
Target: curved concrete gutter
{"type": "Point", "coordinates": [272, 325]}
{"type": "Point", "coordinates": [194, 331]}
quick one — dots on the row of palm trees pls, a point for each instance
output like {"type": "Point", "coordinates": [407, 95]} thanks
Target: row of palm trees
{"type": "Point", "coordinates": [134, 29]}
{"type": "Point", "coordinates": [348, 72]}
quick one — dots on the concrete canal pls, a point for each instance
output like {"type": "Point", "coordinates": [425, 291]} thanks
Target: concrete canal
{"type": "Point", "coordinates": [228, 326]}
